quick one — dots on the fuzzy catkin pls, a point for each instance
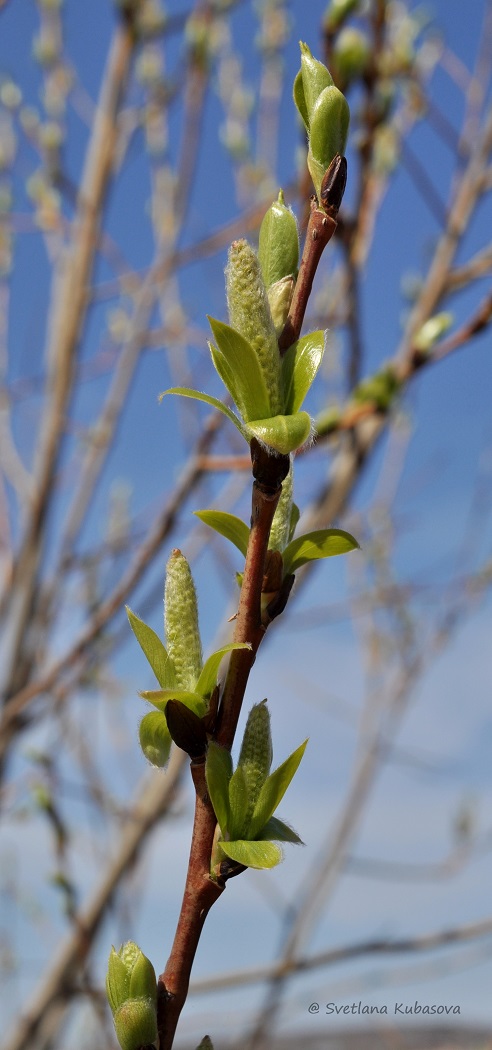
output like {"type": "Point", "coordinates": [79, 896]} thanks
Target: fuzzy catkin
{"type": "Point", "coordinates": [181, 621]}
{"type": "Point", "coordinates": [249, 314]}
{"type": "Point", "coordinates": [256, 752]}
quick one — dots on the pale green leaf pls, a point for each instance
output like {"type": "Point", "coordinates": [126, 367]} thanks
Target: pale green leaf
{"type": "Point", "coordinates": [300, 100]}
{"type": "Point", "coordinates": [253, 854]}
{"type": "Point", "coordinates": [160, 697]}
{"type": "Point", "coordinates": [300, 364]}
{"type": "Point", "coordinates": [324, 543]}
{"type": "Point", "coordinates": [238, 803]}
{"type": "Point", "coordinates": [282, 433]}
{"type": "Point", "coordinates": [277, 830]}
{"type": "Point", "coordinates": [208, 678]}
{"type": "Point", "coordinates": [218, 772]}
{"type": "Point", "coordinates": [227, 525]}
{"type": "Point", "coordinates": [197, 395]}
{"type": "Point", "coordinates": [155, 738]}
{"type": "Point", "coordinates": [273, 790]}
{"type": "Point", "coordinates": [243, 363]}
{"type": "Point", "coordinates": [226, 374]}
{"type": "Point", "coordinates": [153, 649]}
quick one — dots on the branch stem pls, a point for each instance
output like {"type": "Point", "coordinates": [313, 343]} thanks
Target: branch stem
{"type": "Point", "coordinates": [201, 890]}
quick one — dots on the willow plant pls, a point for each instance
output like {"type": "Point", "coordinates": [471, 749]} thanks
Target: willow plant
{"type": "Point", "coordinates": [267, 368]}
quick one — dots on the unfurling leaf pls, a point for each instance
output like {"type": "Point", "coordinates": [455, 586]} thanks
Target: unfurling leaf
{"type": "Point", "coordinates": [238, 804]}
{"type": "Point", "coordinates": [159, 698]}
{"type": "Point", "coordinates": [284, 434]}
{"type": "Point", "coordinates": [218, 772]}
{"type": "Point", "coordinates": [249, 383]}
{"type": "Point", "coordinates": [197, 395]}
{"type": "Point", "coordinates": [299, 368]}
{"type": "Point", "coordinates": [208, 677]}
{"type": "Point", "coordinates": [227, 525]}
{"type": "Point", "coordinates": [154, 650]}
{"type": "Point", "coordinates": [277, 830]}
{"type": "Point", "coordinates": [274, 789]}
{"type": "Point", "coordinates": [323, 543]}
{"type": "Point", "coordinates": [252, 854]}
{"type": "Point", "coordinates": [155, 738]}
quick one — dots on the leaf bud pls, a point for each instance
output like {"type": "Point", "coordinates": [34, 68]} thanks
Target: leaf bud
{"type": "Point", "coordinates": [336, 13]}
{"type": "Point", "coordinates": [432, 330]}
{"type": "Point", "coordinates": [206, 1044]}
{"type": "Point", "coordinates": [155, 738]}
{"type": "Point", "coordinates": [249, 314]}
{"type": "Point", "coordinates": [280, 297]}
{"type": "Point", "coordinates": [278, 249]}
{"type": "Point", "coordinates": [328, 132]}
{"type": "Point", "coordinates": [181, 621]}
{"type": "Point", "coordinates": [131, 990]}
{"type": "Point", "coordinates": [351, 56]}
{"type": "Point", "coordinates": [135, 1024]}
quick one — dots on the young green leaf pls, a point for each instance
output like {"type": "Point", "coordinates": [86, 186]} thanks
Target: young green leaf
{"type": "Point", "coordinates": [282, 433]}
{"type": "Point", "coordinates": [315, 78]}
{"type": "Point", "coordinates": [324, 543]}
{"type": "Point", "coordinates": [227, 525]}
{"type": "Point", "coordinates": [227, 376]}
{"type": "Point", "coordinates": [238, 803]}
{"type": "Point", "coordinates": [218, 772]}
{"type": "Point", "coordinates": [253, 854]}
{"type": "Point", "coordinates": [197, 395]}
{"type": "Point", "coordinates": [208, 677]}
{"type": "Point", "coordinates": [273, 790]}
{"type": "Point", "coordinates": [276, 830]}
{"type": "Point", "coordinates": [155, 738]}
{"type": "Point", "coordinates": [300, 100]}
{"type": "Point", "coordinates": [243, 362]}
{"type": "Point", "coordinates": [299, 367]}
{"type": "Point", "coordinates": [160, 697]}
{"type": "Point", "coordinates": [153, 649]}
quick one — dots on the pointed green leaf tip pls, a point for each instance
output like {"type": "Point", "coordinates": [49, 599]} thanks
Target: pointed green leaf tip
{"type": "Point", "coordinates": [227, 525]}
{"type": "Point", "coordinates": [153, 649]}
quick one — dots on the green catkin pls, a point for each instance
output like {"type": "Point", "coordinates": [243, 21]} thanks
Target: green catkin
{"type": "Point", "coordinates": [256, 753]}
{"type": "Point", "coordinates": [181, 621]}
{"type": "Point", "coordinates": [249, 314]}
{"type": "Point", "coordinates": [279, 533]}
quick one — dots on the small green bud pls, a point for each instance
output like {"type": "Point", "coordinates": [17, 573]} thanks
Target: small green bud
{"type": "Point", "coordinates": [336, 13]}
{"type": "Point", "coordinates": [432, 330]}
{"type": "Point", "coordinates": [181, 621]}
{"type": "Point", "coordinates": [280, 297]}
{"type": "Point", "coordinates": [351, 55]}
{"type": "Point", "coordinates": [130, 975]}
{"type": "Point", "coordinates": [279, 533]}
{"type": "Point", "coordinates": [328, 132]}
{"type": "Point", "coordinates": [249, 314]}
{"type": "Point", "coordinates": [278, 249]}
{"type": "Point", "coordinates": [135, 1024]}
{"type": "Point", "coordinates": [206, 1044]}
{"type": "Point", "coordinates": [256, 755]}
{"type": "Point", "coordinates": [155, 738]}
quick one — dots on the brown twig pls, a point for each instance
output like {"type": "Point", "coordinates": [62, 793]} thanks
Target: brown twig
{"type": "Point", "coordinates": [201, 890]}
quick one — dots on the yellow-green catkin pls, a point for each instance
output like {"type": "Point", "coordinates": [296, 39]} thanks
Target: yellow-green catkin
{"type": "Point", "coordinates": [181, 621]}
{"type": "Point", "coordinates": [256, 755]}
{"type": "Point", "coordinates": [279, 533]}
{"type": "Point", "coordinates": [249, 314]}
